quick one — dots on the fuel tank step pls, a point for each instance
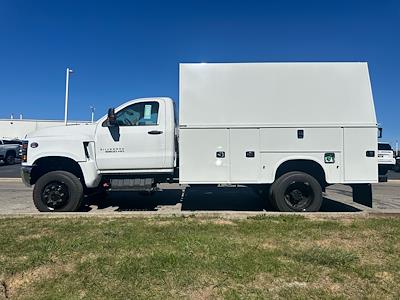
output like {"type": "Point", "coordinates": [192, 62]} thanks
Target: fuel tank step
{"type": "Point", "coordinates": [133, 184]}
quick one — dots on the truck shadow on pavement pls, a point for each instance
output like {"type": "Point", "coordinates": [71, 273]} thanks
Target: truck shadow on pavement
{"type": "Point", "coordinates": [196, 199]}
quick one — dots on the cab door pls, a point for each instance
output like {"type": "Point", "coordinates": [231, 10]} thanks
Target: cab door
{"type": "Point", "coordinates": [137, 142]}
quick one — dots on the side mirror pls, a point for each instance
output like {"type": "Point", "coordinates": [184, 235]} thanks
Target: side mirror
{"type": "Point", "coordinates": [380, 130]}
{"type": "Point", "coordinates": [112, 119]}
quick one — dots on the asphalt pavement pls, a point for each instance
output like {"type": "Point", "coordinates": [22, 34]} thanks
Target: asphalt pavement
{"type": "Point", "coordinates": [15, 198]}
{"type": "Point", "coordinates": [12, 171]}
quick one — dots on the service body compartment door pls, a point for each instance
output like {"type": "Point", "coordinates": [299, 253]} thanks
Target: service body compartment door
{"type": "Point", "coordinates": [359, 165]}
{"type": "Point", "coordinates": [244, 155]}
{"type": "Point", "coordinates": [203, 155]}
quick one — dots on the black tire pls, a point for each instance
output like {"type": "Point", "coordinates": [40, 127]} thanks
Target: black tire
{"type": "Point", "coordinates": [296, 192]}
{"type": "Point", "coordinates": [10, 158]}
{"type": "Point", "coordinates": [58, 191]}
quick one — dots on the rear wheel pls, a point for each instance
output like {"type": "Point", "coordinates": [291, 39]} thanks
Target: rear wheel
{"type": "Point", "coordinates": [58, 191]}
{"type": "Point", "coordinates": [296, 192]}
{"type": "Point", "coordinates": [10, 158]}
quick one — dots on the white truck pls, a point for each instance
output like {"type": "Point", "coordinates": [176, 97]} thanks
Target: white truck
{"type": "Point", "coordinates": [386, 160]}
{"type": "Point", "coordinates": [287, 130]}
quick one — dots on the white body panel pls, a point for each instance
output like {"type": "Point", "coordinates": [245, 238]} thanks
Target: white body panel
{"type": "Point", "coordinates": [359, 167]}
{"type": "Point", "coordinates": [261, 106]}
{"type": "Point", "coordinates": [244, 169]}
{"type": "Point", "coordinates": [199, 155]}
{"type": "Point", "coordinates": [275, 94]}
{"type": "Point", "coordinates": [131, 147]}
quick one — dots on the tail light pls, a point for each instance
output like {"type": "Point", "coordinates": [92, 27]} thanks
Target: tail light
{"type": "Point", "coordinates": [24, 151]}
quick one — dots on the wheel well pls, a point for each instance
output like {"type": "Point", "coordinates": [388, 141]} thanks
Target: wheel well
{"type": "Point", "coordinates": [303, 165]}
{"type": "Point", "coordinates": [55, 163]}
{"type": "Point", "coordinates": [11, 152]}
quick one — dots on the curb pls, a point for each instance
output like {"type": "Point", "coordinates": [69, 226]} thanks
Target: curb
{"type": "Point", "coordinates": [17, 179]}
{"type": "Point", "coordinates": [211, 214]}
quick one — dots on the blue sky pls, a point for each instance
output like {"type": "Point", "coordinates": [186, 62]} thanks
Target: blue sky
{"type": "Point", "coordinates": [122, 50]}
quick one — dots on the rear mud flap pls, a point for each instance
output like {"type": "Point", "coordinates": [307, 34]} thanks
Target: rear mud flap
{"type": "Point", "coordinates": [362, 194]}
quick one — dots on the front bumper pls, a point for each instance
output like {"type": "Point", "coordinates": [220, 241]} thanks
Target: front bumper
{"type": "Point", "coordinates": [26, 175]}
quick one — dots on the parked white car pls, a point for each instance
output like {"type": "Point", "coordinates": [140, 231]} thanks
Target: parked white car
{"type": "Point", "coordinates": [286, 129]}
{"type": "Point", "coordinates": [386, 158]}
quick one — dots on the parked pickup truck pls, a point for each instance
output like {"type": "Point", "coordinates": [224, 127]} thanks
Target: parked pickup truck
{"type": "Point", "coordinates": [9, 151]}
{"type": "Point", "coordinates": [288, 130]}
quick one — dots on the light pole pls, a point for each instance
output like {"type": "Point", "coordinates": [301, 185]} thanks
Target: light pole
{"type": "Point", "coordinates": [66, 95]}
{"type": "Point", "coordinates": [92, 108]}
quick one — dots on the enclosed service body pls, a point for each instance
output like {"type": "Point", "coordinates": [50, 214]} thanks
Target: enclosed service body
{"type": "Point", "coordinates": [239, 123]}
{"type": "Point", "coordinates": [286, 129]}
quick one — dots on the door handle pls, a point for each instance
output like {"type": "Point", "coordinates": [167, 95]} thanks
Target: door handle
{"type": "Point", "coordinates": [155, 132]}
{"type": "Point", "coordinates": [220, 154]}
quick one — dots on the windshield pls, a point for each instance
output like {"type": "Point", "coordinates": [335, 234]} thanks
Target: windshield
{"type": "Point", "coordinates": [384, 147]}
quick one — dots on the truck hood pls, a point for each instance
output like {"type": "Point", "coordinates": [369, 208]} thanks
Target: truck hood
{"type": "Point", "coordinates": [78, 131]}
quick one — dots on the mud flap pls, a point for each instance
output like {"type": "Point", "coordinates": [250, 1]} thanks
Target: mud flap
{"type": "Point", "coordinates": [362, 194]}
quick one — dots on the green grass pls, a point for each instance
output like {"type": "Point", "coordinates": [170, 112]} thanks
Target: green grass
{"type": "Point", "coordinates": [199, 258]}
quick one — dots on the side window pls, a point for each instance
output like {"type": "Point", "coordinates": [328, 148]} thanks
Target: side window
{"type": "Point", "coordinates": [138, 114]}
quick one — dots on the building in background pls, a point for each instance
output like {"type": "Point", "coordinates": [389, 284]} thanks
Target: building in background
{"type": "Point", "coordinates": [19, 128]}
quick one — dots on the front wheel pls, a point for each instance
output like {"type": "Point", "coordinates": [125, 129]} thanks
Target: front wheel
{"type": "Point", "coordinates": [58, 191]}
{"type": "Point", "coordinates": [296, 192]}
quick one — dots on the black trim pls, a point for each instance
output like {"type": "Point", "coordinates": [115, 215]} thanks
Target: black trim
{"type": "Point", "coordinates": [26, 175]}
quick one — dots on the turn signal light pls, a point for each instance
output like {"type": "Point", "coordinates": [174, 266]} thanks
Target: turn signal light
{"type": "Point", "coordinates": [24, 151]}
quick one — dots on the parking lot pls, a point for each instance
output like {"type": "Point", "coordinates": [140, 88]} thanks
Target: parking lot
{"type": "Point", "coordinates": [15, 198]}
{"type": "Point", "coordinates": [12, 171]}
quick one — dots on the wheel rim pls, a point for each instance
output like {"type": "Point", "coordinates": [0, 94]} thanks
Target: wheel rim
{"type": "Point", "coordinates": [10, 159]}
{"type": "Point", "coordinates": [299, 195]}
{"type": "Point", "coordinates": [55, 195]}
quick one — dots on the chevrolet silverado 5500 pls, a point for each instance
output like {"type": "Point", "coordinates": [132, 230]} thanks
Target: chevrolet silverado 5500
{"type": "Point", "coordinates": [288, 130]}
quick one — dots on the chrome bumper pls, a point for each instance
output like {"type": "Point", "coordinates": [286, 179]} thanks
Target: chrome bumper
{"type": "Point", "coordinates": [26, 175]}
